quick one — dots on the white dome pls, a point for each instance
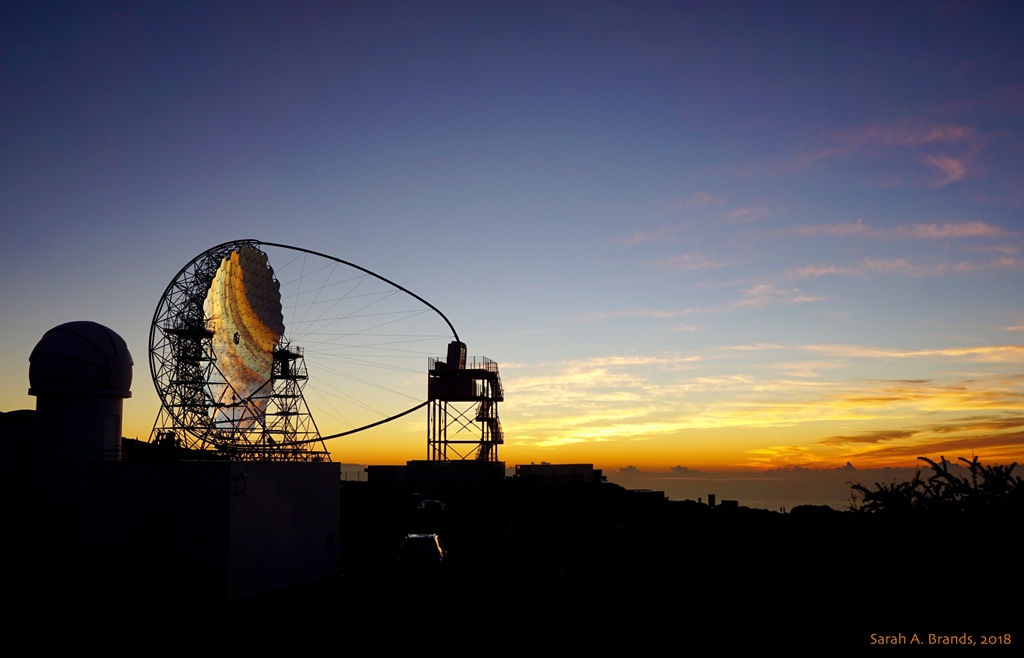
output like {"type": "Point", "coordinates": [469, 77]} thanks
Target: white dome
{"type": "Point", "coordinates": [81, 358]}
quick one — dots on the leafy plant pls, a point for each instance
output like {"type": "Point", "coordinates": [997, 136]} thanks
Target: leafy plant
{"type": "Point", "coordinates": [982, 489]}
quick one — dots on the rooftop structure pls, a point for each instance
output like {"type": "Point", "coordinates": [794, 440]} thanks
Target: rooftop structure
{"type": "Point", "coordinates": [462, 415]}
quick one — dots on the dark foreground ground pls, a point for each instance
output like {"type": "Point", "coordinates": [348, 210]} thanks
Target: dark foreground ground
{"type": "Point", "coordinates": [591, 569]}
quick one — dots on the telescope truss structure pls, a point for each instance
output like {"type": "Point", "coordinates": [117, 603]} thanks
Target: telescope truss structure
{"type": "Point", "coordinates": [232, 383]}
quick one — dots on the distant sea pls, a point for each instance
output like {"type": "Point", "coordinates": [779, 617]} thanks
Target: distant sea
{"type": "Point", "coordinates": [772, 490]}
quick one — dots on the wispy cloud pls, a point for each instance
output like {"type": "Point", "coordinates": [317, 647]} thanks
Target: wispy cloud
{"type": "Point", "coordinates": [641, 237]}
{"type": "Point", "coordinates": [746, 214]}
{"type": "Point", "coordinates": [905, 134]}
{"type": "Point", "coordinates": [944, 150]}
{"type": "Point", "coordinates": [760, 296]}
{"type": "Point", "coordinates": [776, 456]}
{"type": "Point", "coordinates": [723, 216]}
{"type": "Point", "coordinates": [986, 423]}
{"type": "Point", "coordinates": [992, 448]}
{"type": "Point", "coordinates": [695, 200]}
{"type": "Point", "coordinates": [823, 269]}
{"type": "Point", "coordinates": [870, 437]}
{"type": "Point", "coordinates": [689, 262]}
{"type": "Point", "coordinates": [650, 313]}
{"type": "Point", "coordinates": [948, 231]}
{"type": "Point", "coordinates": [950, 168]}
{"type": "Point", "coordinates": [980, 354]}
{"type": "Point", "coordinates": [899, 266]}
{"type": "Point", "coordinates": [756, 347]}
{"type": "Point", "coordinates": [765, 295]}
{"type": "Point", "coordinates": [932, 231]}
{"type": "Point", "coordinates": [557, 441]}
{"type": "Point", "coordinates": [904, 267]}
{"type": "Point", "coordinates": [984, 247]}
{"type": "Point", "coordinates": [881, 398]}
{"type": "Point", "coordinates": [809, 369]}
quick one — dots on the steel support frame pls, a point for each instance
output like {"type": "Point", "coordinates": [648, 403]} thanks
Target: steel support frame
{"type": "Point", "coordinates": [184, 368]}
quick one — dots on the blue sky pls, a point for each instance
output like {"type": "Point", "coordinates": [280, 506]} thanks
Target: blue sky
{"type": "Point", "coordinates": [729, 235]}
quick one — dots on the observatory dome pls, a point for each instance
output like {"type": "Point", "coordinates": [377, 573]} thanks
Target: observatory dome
{"type": "Point", "coordinates": [81, 358]}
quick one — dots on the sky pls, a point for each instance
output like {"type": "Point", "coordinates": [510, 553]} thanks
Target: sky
{"type": "Point", "coordinates": [722, 236]}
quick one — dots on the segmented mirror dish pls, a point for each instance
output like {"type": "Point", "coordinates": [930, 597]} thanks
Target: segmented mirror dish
{"type": "Point", "coordinates": [243, 308]}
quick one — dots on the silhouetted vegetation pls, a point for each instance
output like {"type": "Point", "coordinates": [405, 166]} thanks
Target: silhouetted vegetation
{"type": "Point", "coordinates": [982, 489]}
